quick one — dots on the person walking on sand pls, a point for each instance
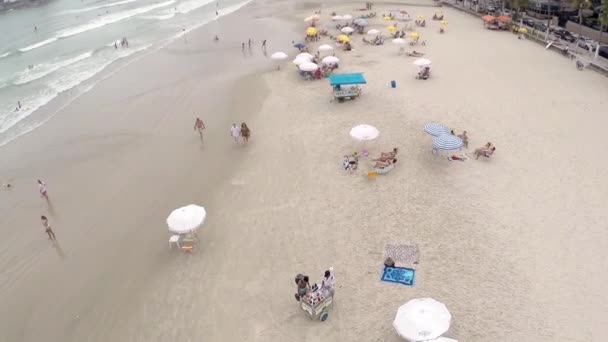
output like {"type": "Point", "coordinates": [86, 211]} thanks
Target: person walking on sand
{"type": "Point", "coordinates": [243, 47]}
{"type": "Point", "coordinates": [47, 228]}
{"type": "Point", "coordinates": [264, 44]}
{"type": "Point", "coordinates": [235, 131]}
{"type": "Point", "coordinates": [245, 132]}
{"type": "Point", "coordinates": [249, 44]}
{"type": "Point", "coordinates": [43, 190]}
{"type": "Point", "coordinates": [199, 126]}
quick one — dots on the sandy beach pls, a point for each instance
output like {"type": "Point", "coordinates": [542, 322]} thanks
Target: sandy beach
{"type": "Point", "coordinates": [513, 245]}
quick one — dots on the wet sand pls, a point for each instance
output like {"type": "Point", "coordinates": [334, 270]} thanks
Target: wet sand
{"type": "Point", "coordinates": [513, 245]}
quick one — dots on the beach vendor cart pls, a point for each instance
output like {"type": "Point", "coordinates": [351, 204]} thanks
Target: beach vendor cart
{"type": "Point", "coordinates": [317, 304]}
{"type": "Point", "coordinates": [346, 86]}
{"type": "Point", "coordinates": [183, 223]}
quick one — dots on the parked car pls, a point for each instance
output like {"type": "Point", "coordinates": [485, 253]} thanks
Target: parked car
{"type": "Point", "coordinates": [603, 51]}
{"type": "Point", "coordinates": [541, 27]}
{"type": "Point", "coordinates": [528, 22]}
{"type": "Point", "coordinates": [565, 35]}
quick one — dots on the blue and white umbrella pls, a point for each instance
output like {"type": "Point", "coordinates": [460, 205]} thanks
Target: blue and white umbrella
{"type": "Point", "coordinates": [447, 142]}
{"type": "Point", "coordinates": [436, 129]}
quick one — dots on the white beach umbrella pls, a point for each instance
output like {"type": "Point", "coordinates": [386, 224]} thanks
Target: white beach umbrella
{"type": "Point", "coordinates": [422, 62]}
{"type": "Point", "coordinates": [364, 132]}
{"type": "Point", "coordinates": [422, 319]}
{"type": "Point", "coordinates": [279, 56]}
{"type": "Point", "coordinates": [373, 32]}
{"type": "Point", "coordinates": [305, 55]}
{"type": "Point", "coordinates": [399, 41]}
{"type": "Point", "coordinates": [308, 66]}
{"type": "Point", "coordinates": [186, 219]}
{"type": "Point", "coordinates": [436, 129]}
{"type": "Point", "coordinates": [330, 60]}
{"type": "Point", "coordinates": [325, 48]}
{"type": "Point", "coordinates": [447, 142]}
{"type": "Point", "coordinates": [337, 18]}
{"type": "Point", "coordinates": [301, 60]}
{"type": "Point", "coordinates": [347, 30]}
{"type": "Point", "coordinates": [347, 17]}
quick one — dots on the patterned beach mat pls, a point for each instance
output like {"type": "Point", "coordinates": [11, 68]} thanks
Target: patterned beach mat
{"type": "Point", "coordinates": [401, 253]}
{"type": "Point", "coordinates": [399, 275]}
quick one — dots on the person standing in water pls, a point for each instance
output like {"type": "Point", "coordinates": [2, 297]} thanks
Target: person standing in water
{"type": "Point", "coordinates": [199, 126]}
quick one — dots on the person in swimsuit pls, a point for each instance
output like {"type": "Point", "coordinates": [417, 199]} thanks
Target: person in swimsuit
{"type": "Point", "coordinates": [383, 164]}
{"type": "Point", "coordinates": [199, 126]}
{"type": "Point", "coordinates": [303, 287]}
{"type": "Point", "coordinates": [245, 132]}
{"type": "Point", "coordinates": [43, 190]}
{"type": "Point", "coordinates": [384, 156]}
{"type": "Point", "coordinates": [47, 228]}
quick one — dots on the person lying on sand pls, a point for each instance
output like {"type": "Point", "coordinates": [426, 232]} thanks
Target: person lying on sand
{"type": "Point", "coordinates": [384, 156]}
{"type": "Point", "coordinates": [415, 54]}
{"type": "Point", "coordinates": [383, 164]}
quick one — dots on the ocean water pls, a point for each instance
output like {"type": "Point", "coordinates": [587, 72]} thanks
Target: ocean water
{"type": "Point", "coordinates": [73, 45]}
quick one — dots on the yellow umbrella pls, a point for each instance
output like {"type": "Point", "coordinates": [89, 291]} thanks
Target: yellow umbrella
{"type": "Point", "coordinates": [343, 38]}
{"type": "Point", "coordinates": [420, 17]}
{"type": "Point", "coordinates": [443, 22]}
{"type": "Point", "coordinates": [414, 35]}
{"type": "Point", "coordinates": [391, 29]}
{"type": "Point", "coordinates": [522, 30]}
{"type": "Point", "coordinates": [311, 31]}
{"type": "Point", "coordinates": [387, 18]}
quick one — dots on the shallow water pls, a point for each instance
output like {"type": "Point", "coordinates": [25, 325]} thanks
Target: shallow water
{"type": "Point", "coordinates": [65, 46]}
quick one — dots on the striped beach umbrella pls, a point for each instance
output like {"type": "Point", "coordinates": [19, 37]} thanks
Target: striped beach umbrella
{"type": "Point", "coordinates": [447, 142]}
{"type": "Point", "coordinates": [436, 129]}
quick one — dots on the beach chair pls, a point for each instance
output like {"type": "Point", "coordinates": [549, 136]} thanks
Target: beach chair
{"type": "Point", "coordinates": [383, 170]}
{"type": "Point", "coordinates": [187, 245]}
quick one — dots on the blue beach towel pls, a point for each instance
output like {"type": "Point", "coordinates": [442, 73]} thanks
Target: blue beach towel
{"type": "Point", "coordinates": [400, 275]}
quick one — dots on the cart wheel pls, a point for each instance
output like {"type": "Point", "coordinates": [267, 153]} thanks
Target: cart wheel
{"type": "Point", "coordinates": [324, 316]}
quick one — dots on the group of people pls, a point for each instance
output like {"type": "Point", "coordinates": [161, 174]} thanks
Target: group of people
{"type": "Point", "coordinates": [420, 23]}
{"type": "Point", "coordinates": [313, 294]}
{"type": "Point", "coordinates": [351, 163]}
{"type": "Point", "coordinates": [243, 132]}
{"type": "Point", "coordinates": [386, 159]}
{"type": "Point", "coordinates": [42, 189]}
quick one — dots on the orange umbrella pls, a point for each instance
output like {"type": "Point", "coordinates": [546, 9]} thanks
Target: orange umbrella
{"type": "Point", "coordinates": [504, 19]}
{"type": "Point", "coordinates": [488, 18]}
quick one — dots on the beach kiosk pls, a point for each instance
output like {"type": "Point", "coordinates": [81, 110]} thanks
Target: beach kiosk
{"type": "Point", "coordinates": [346, 86]}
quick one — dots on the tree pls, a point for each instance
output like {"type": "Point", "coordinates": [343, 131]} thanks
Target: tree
{"type": "Point", "coordinates": [603, 19]}
{"type": "Point", "coordinates": [580, 4]}
{"type": "Point", "coordinates": [518, 5]}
